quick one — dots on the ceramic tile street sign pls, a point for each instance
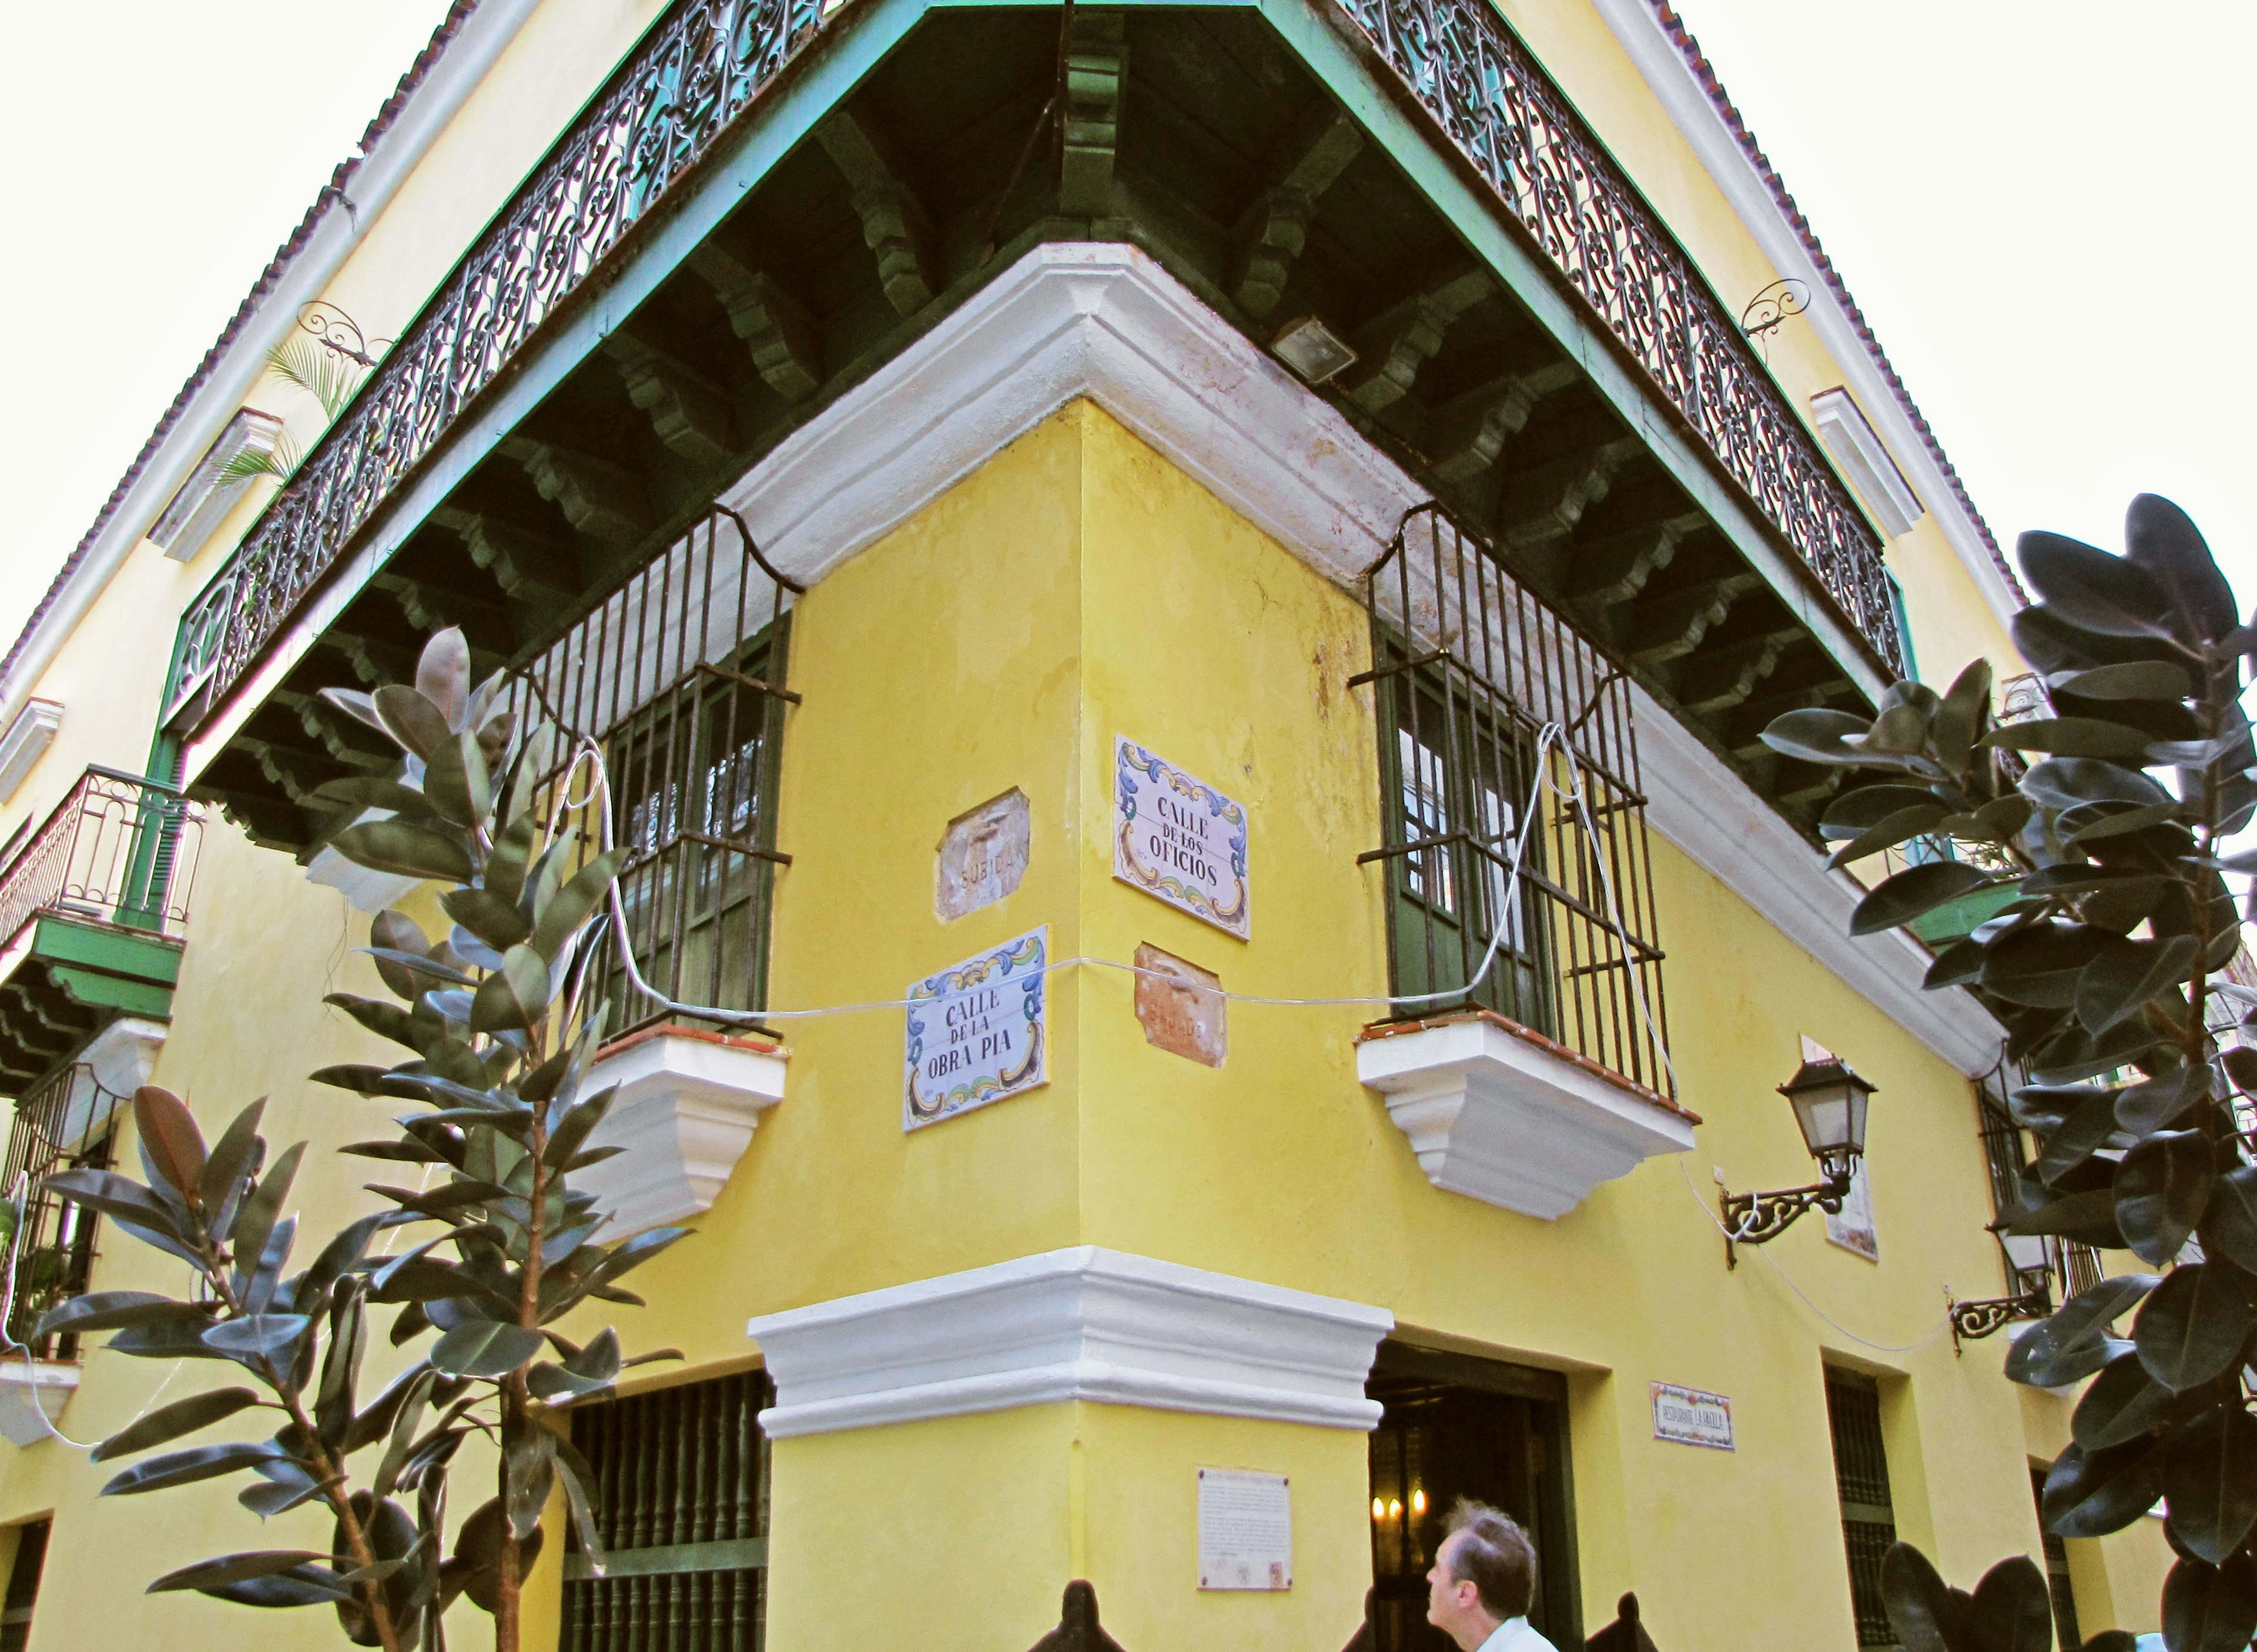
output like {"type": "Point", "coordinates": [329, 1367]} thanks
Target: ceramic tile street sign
{"type": "Point", "coordinates": [983, 856]}
{"type": "Point", "coordinates": [975, 1031]}
{"type": "Point", "coordinates": [1179, 838]}
{"type": "Point", "coordinates": [1245, 1529]}
{"type": "Point", "coordinates": [1181, 1006]}
{"type": "Point", "coordinates": [1691, 1417]}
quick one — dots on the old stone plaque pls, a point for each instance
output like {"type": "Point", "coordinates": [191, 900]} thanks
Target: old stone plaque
{"type": "Point", "coordinates": [1179, 838]}
{"type": "Point", "coordinates": [983, 856]}
{"type": "Point", "coordinates": [975, 1031]}
{"type": "Point", "coordinates": [1245, 1529]}
{"type": "Point", "coordinates": [1181, 1006]}
{"type": "Point", "coordinates": [1691, 1417]}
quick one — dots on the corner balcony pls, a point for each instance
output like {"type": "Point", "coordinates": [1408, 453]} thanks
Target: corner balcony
{"type": "Point", "coordinates": [93, 907]}
{"type": "Point", "coordinates": [769, 201]}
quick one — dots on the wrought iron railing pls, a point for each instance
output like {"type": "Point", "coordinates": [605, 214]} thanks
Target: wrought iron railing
{"type": "Point", "coordinates": [1483, 691]}
{"type": "Point", "coordinates": [662, 112]}
{"type": "Point", "coordinates": [119, 849]}
{"type": "Point", "coordinates": [1486, 90]}
{"type": "Point", "coordinates": [676, 679]}
{"type": "Point", "coordinates": [68, 1123]}
{"type": "Point", "coordinates": [659, 116]}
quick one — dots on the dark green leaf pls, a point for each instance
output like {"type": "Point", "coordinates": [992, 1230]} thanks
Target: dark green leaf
{"type": "Point", "coordinates": [176, 1335]}
{"type": "Point", "coordinates": [484, 1349]}
{"type": "Point", "coordinates": [1912, 892]}
{"type": "Point", "coordinates": [1956, 965]}
{"type": "Point", "coordinates": [2123, 1403]}
{"type": "Point", "coordinates": [2209, 1480]}
{"type": "Point", "coordinates": [2090, 589]}
{"type": "Point", "coordinates": [114, 1195]}
{"type": "Point", "coordinates": [2145, 1108]}
{"type": "Point", "coordinates": [2192, 1326]}
{"type": "Point", "coordinates": [1856, 812]}
{"type": "Point", "coordinates": [2131, 680]}
{"type": "Point", "coordinates": [302, 1586]}
{"type": "Point", "coordinates": [1922, 1608]}
{"type": "Point", "coordinates": [108, 1309]}
{"type": "Point", "coordinates": [442, 676]}
{"type": "Point", "coordinates": [2063, 782]}
{"type": "Point", "coordinates": [457, 782]}
{"type": "Point", "coordinates": [356, 704]}
{"type": "Point", "coordinates": [1816, 737]}
{"type": "Point", "coordinates": [2070, 736]}
{"type": "Point", "coordinates": [1889, 832]}
{"type": "Point", "coordinates": [566, 1135]}
{"type": "Point", "coordinates": [385, 1020]}
{"type": "Point", "coordinates": [2125, 975]}
{"type": "Point", "coordinates": [2162, 541]}
{"type": "Point", "coordinates": [197, 1463]}
{"type": "Point", "coordinates": [516, 995]}
{"type": "Point", "coordinates": [359, 792]}
{"type": "Point", "coordinates": [2077, 1138]}
{"type": "Point", "coordinates": [506, 861]}
{"type": "Point", "coordinates": [411, 719]}
{"type": "Point", "coordinates": [170, 1138]}
{"type": "Point", "coordinates": [2012, 1609]}
{"type": "Point", "coordinates": [2162, 1187]}
{"type": "Point", "coordinates": [2073, 1342]}
{"type": "Point", "coordinates": [2229, 1228]}
{"type": "Point", "coordinates": [2092, 1495]}
{"type": "Point", "coordinates": [2210, 1608]}
{"type": "Point", "coordinates": [262, 1208]}
{"type": "Point", "coordinates": [235, 1159]}
{"type": "Point", "coordinates": [256, 1336]}
{"type": "Point", "coordinates": [562, 916]}
{"type": "Point", "coordinates": [413, 965]}
{"type": "Point", "coordinates": [1960, 715]}
{"type": "Point", "coordinates": [170, 1422]}
{"type": "Point", "coordinates": [487, 916]}
{"type": "Point", "coordinates": [235, 1568]}
{"type": "Point", "coordinates": [405, 849]}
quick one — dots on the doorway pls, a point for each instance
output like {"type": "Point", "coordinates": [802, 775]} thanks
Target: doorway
{"type": "Point", "coordinates": [1454, 1426]}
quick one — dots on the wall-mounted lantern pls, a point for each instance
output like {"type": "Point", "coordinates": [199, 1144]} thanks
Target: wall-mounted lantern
{"type": "Point", "coordinates": [1829, 1103]}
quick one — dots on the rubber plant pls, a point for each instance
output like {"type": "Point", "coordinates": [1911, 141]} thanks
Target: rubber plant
{"type": "Point", "coordinates": [497, 1018]}
{"type": "Point", "coordinates": [2092, 846]}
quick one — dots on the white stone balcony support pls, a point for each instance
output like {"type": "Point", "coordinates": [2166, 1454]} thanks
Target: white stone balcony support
{"type": "Point", "coordinates": [33, 1394]}
{"type": "Point", "coordinates": [1503, 1115]}
{"type": "Point", "coordinates": [689, 1101]}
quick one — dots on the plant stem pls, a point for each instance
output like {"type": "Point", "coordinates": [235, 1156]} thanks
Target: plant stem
{"type": "Point", "coordinates": [517, 1404]}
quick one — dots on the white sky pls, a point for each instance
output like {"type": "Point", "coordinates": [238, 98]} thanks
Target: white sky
{"type": "Point", "coordinates": [2041, 205]}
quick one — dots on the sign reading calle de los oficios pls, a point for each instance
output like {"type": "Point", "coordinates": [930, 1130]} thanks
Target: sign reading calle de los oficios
{"type": "Point", "coordinates": [975, 1031]}
{"type": "Point", "coordinates": [1179, 838]}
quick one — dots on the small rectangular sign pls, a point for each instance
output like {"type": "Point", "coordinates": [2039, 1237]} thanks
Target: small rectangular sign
{"type": "Point", "coordinates": [1853, 1228]}
{"type": "Point", "coordinates": [1179, 838]}
{"type": "Point", "coordinates": [1245, 1529]}
{"type": "Point", "coordinates": [975, 1031]}
{"type": "Point", "coordinates": [1691, 1417]}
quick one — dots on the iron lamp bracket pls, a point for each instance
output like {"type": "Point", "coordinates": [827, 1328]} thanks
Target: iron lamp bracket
{"type": "Point", "coordinates": [1757, 1219]}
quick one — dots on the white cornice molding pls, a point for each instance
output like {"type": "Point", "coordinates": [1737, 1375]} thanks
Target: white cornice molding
{"type": "Point", "coordinates": [26, 742]}
{"type": "Point", "coordinates": [1864, 458]}
{"type": "Point", "coordinates": [335, 236]}
{"type": "Point", "coordinates": [1687, 104]}
{"type": "Point", "coordinates": [1082, 1324]}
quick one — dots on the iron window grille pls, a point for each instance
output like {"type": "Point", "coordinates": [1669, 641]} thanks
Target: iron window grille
{"type": "Point", "coordinates": [67, 1122]}
{"type": "Point", "coordinates": [676, 680]}
{"type": "Point", "coordinates": [2056, 1565]}
{"type": "Point", "coordinates": [681, 1507]}
{"type": "Point", "coordinates": [23, 1594]}
{"type": "Point", "coordinates": [1861, 1475]}
{"type": "Point", "coordinates": [1469, 670]}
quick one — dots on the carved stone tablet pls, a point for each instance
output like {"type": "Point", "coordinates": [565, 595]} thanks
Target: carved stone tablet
{"type": "Point", "coordinates": [983, 856]}
{"type": "Point", "coordinates": [1180, 1007]}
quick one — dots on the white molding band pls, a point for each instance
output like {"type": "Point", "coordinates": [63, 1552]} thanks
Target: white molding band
{"type": "Point", "coordinates": [1491, 1115]}
{"type": "Point", "coordinates": [26, 742]}
{"type": "Point", "coordinates": [1685, 101]}
{"type": "Point", "coordinates": [203, 500]}
{"type": "Point", "coordinates": [1082, 1324]}
{"type": "Point", "coordinates": [1857, 448]}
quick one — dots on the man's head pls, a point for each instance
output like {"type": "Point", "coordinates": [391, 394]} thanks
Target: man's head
{"type": "Point", "coordinates": [1483, 1574]}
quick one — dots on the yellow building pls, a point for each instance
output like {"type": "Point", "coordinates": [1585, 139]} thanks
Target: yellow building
{"type": "Point", "coordinates": [1281, 566]}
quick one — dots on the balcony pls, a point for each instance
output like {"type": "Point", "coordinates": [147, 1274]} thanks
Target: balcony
{"type": "Point", "coordinates": [767, 202]}
{"type": "Point", "coordinates": [93, 908]}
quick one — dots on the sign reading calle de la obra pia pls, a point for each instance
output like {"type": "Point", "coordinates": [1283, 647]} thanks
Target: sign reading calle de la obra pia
{"type": "Point", "coordinates": [975, 1031]}
{"type": "Point", "coordinates": [1691, 1417]}
{"type": "Point", "coordinates": [1179, 838]}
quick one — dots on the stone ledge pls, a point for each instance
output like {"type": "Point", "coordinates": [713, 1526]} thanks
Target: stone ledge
{"type": "Point", "coordinates": [1502, 1114]}
{"type": "Point", "coordinates": [689, 1100]}
{"type": "Point", "coordinates": [33, 1394]}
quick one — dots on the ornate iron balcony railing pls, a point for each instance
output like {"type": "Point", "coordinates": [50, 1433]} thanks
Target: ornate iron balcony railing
{"type": "Point", "coordinates": [1489, 94]}
{"type": "Point", "coordinates": [680, 90]}
{"type": "Point", "coordinates": [69, 1122]}
{"type": "Point", "coordinates": [119, 849]}
{"type": "Point", "coordinates": [660, 114]}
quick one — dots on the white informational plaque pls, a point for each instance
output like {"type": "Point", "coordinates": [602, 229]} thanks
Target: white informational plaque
{"type": "Point", "coordinates": [975, 1031]}
{"type": "Point", "coordinates": [1179, 838]}
{"type": "Point", "coordinates": [1691, 1417]}
{"type": "Point", "coordinates": [1245, 1529]}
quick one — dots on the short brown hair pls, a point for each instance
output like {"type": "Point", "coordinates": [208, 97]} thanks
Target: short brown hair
{"type": "Point", "coordinates": [1496, 1557]}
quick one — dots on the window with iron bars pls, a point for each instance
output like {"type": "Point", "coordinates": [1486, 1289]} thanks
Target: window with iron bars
{"type": "Point", "coordinates": [2033, 1262]}
{"type": "Point", "coordinates": [1861, 1479]}
{"type": "Point", "coordinates": [676, 682]}
{"type": "Point", "coordinates": [681, 1506]}
{"type": "Point", "coordinates": [66, 1122]}
{"type": "Point", "coordinates": [1481, 691]}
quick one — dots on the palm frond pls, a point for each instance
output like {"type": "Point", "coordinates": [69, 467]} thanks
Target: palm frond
{"type": "Point", "coordinates": [249, 462]}
{"type": "Point", "coordinates": [327, 376]}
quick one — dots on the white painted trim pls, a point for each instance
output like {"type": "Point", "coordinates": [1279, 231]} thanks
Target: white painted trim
{"type": "Point", "coordinates": [26, 742]}
{"type": "Point", "coordinates": [1864, 458]}
{"type": "Point", "coordinates": [1685, 101]}
{"type": "Point", "coordinates": [335, 235]}
{"type": "Point", "coordinates": [33, 1394]}
{"type": "Point", "coordinates": [1082, 1324]}
{"type": "Point", "coordinates": [123, 1054]}
{"type": "Point", "coordinates": [1495, 1117]}
{"type": "Point", "coordinates": [1708, 811]}
{"type": "Point", "coordinates": [203, 500]}
{"type": "Point", "coordinates": [685, 1111]}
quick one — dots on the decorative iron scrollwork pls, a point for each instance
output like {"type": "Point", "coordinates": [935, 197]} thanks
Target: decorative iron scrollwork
{"type": "Point", "coordinates": [1971, 1322]}
{"type": "Point", "coordinates": [1773, 305]}
{"type": "Point", "coordinates": [333, 329]}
